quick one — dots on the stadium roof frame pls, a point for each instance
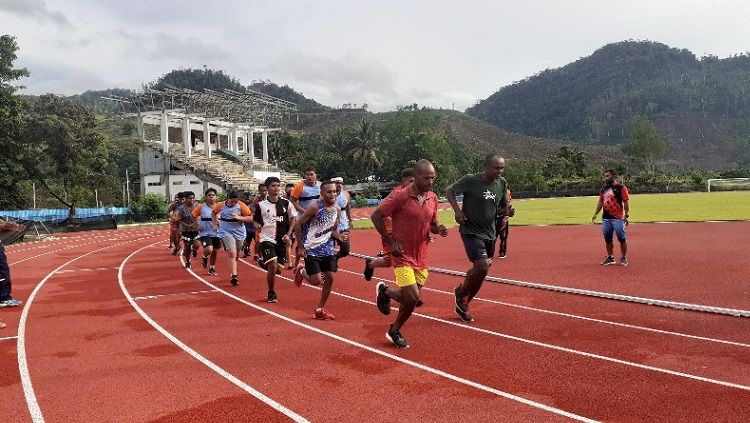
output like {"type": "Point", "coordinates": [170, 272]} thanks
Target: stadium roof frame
{"type": "Point", "coordinates": [249, 108]}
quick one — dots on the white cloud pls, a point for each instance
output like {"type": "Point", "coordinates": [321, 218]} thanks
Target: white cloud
{"type": "Point", "coordinates": [36, 9]}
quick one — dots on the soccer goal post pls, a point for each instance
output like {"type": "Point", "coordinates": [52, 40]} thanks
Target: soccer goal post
{"type": "Point", "coordinates": [728, 184]}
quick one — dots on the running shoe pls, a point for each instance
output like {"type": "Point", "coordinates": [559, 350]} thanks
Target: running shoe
{"type": "Point", "coordinates": [624, 261]}
{"type": "Point", "coordinates": [212, 271]}
{"type": "Point", "coordinates": [395, 336]}
{"type": "Point", "coordinates": [503, 255]}
{"type": "Point", "coordinates": [299, 277]}
{"type": "Point", "coordinates": [272, 298]}
{"type": "Point", "coordinates": [187, 264]}
{"type": "Point", "coordinates": [10, 302]}
{"type": "Point", "coordinates": [245, 251]}
{"type": "Point", "coordinates": [608, 260]}
{"type": "Point", "coordinates": [462, 305]}
{"type": "Point", "coordinates": [204, 261]}
{"type": "Point", "coordinates": [368, 270]}
{"type": "Point", "coordinates": [234, 281]}
{"type": "Point", "coordinates": [2, 325]}
{"type": "Point", "coordinates": [175, 251]}
{"type": "Point", "coordinates": [382, 299]}
{"type": "Point", "coordinates": [419, 303]}
{"type": "Point", "coordinates": [321, 314]}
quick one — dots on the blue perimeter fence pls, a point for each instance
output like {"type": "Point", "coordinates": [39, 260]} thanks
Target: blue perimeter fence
{"type": "Point", "coordinates": [56, 215]}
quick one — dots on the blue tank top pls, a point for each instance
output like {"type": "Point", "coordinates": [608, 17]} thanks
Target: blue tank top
{"type": "Point", "coordinates": [310, 194]}
{"type": "Point", "coordinates": [228, 226]}
{"type": "Point", "coordinates": [316, 234]}
{"type": "Point", "coordinates": [206, 222]}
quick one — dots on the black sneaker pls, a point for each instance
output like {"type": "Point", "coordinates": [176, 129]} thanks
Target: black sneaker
{"type": "Point", "coordinates": [175, 251]}
{"type": "Point", "coordinates": [204, 261]}
{"type": "Point", "coordinates": [245, 252]}
{"type": "Point", "coordinates": [419, 303]}
{"type": "Point", "coordinates": [382, 299]}
{"type": "Point", "coordinates": [212, 271]}
{"type": "Point", "coordinates": [624, 261]}
{"type": "Point", "coordinates": [187, 264]}
{"type": "Point", "coordinates": [608, 260]}
{"type": "Point", "coordinates": [396, 337]}
{"type": "Point", "coordinates": [368, 270]}
{"type": "Point", "coordinates": [234, 281]}
{"type": "Point", "coordinates": [462, 306]}
{"type": "Point", "coordinates": [272, 298]}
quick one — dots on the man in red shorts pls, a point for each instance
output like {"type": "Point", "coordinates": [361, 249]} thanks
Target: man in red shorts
{"type": "Point", "coordinates": [414, 214]}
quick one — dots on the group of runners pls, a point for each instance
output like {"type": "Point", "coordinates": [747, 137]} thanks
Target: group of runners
{"type": "Point", "coordinates": [315, 216]}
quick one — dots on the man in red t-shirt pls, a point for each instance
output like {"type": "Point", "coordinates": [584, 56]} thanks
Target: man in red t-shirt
{"type": "Point", "coordinates": [613, 199]}
{"type": "Point", "coordinates": [384, 257]}
{"type": "Point", "coordinates": [414, 213]}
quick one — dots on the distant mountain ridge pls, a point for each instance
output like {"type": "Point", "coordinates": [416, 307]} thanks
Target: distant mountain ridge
{"type": "Point", "coordinates": [697, 104]}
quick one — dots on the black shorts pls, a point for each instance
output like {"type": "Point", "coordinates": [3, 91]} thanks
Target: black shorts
{"type": "Point", "coordinates": [478, 248]}
{"type": "Point", "coordinates": [190, 236]}
{"type": "Point", "coordinates": [315, 265]}
{"type": "Point", "coordinates": [213, 241]}
{"type": "Point", "coordinates": [270, 252]}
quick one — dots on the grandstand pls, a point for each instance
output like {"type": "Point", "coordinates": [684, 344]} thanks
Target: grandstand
{"type": "Point", "coordinates": [216, 134]}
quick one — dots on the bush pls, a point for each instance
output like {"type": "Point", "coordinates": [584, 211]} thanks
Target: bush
{"type": "Point", "coordinates": [149, 207]}
{"type": "Point", "coordinates": [370, 191]}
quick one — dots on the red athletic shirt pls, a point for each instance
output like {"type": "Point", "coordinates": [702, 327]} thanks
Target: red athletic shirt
{"type": "Point", "coordinates": [612, 201]}
{"type": "Point", "coordinates": [412, 218]}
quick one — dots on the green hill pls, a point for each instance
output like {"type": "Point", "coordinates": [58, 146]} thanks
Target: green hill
{"type": "Point", "coordinates": [700, 106]}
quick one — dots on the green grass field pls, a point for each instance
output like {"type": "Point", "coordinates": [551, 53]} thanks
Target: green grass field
{"type": "Point", "coordinates": [682, 207]}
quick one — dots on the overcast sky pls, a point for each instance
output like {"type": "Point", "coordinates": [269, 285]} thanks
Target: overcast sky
{"type": "Point", "coordinates": [384, 53]}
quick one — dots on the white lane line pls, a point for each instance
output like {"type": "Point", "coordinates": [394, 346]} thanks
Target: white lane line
{"type": "Point", "coordinates": [151, 297]}
{"type": "Point", "coordinates": [196, 355]}
{"type": "Point", "coordinates": [597, 294]}
{"type": "Point", "coordinates": [395, 357]}
{"type": "Point", "coordinates": [8, 337]}
{"type": "Point", "coordinates": [577, 316]}
{"type": "Point", "coordinates": [537, 343]}
{"type": "Point", "coordinates": [23, 366]}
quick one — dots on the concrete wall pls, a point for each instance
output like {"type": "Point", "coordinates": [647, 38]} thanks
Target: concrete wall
{"type": "Point", "coordinates": [155, 183]}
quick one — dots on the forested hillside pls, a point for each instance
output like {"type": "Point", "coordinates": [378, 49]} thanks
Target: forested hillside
{"type": "Point", "coordinates": [697, 104]}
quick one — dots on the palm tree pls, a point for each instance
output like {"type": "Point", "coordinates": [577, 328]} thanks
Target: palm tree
{"type": "Point", "coordinates": [365, 147]}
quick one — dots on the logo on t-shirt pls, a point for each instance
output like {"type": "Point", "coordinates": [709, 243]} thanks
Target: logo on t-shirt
{"type": "Point", "coordinates": [489, 195]}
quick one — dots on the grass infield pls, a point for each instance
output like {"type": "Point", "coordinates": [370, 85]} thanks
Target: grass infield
{"type": "Point", "coordinates": [681, 207]}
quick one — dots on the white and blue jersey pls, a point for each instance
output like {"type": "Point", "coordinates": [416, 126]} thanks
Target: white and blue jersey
{"type": "Point", "coordinates": [206, 222]}
{"type": "Point", "coordinates": [342, 200]}
{"type": "Point", "coordinates": [316, 233]}
{"type": "Point", "coordinates": [306, 194]}
{"type": "Point", "coordinates": [228, 225]}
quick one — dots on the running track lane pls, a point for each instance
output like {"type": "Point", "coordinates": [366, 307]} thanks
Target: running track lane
{"type": "Point", "coordinates": [636, 396]}
{"type": "Point", "coordinates": [324, 378]}
{"type": "Point", "coordinates": [115, 367]}
{"type": "Point", "coordinates": [30, 263]}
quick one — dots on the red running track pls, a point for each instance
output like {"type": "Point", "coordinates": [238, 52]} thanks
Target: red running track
{"type": "Point", "coordinates": [190, 347]}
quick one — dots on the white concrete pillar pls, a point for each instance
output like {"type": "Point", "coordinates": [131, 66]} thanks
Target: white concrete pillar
{"type": "Point", "coordinates": [265, 146]}
{"type": "Point", "coordinates": [234, 141]}
{"type": "Point", "coordinates": [206, 139]}
{"type": "Point", "coordinates": [164, 132]}
{"type": "Point", "coordinates": [186, 141]}
{"type": "Point", "coordinates": [251, 148]}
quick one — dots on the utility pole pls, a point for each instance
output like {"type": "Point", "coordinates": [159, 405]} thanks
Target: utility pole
{"type": "Point", "coordinates": [127, 188]}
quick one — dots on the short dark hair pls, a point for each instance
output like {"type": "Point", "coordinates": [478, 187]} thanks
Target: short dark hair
{"type": "Point", "coordinates": [189, 193]}
{"type": "Point", "coordinates": [488, 158]}
{"type": "Point", "coordinates": [211, 190]}
{"type": "Point", "coordinates": [263, 185]}
{"type": "Point", "coordinates": [270, 180]}
{"type": "Point", "coordinates": [310, 169]}
{"type": "Point", "coordinates": [289, 185]}
{"type": "Point", "coordinates": [407, 173]}
{"type": "Point", "coordinates": [326, 182]}
{"type": "Point", "coordinates": [181, 194]}
{"type": "Point", "coordinates": [611, 172]}
{"type": "Point", "coordinates": [233, 195]}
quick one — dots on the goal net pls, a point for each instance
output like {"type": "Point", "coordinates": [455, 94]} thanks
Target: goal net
{"type": "Point", "coordinates": [728, 184]}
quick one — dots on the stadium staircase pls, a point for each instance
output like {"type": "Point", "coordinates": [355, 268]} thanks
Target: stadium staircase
{"type": "Point", "coordinates": [225, 169]}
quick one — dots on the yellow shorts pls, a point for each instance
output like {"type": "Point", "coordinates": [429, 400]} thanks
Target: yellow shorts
{"type": "Point", "coordinates": [407, 276]}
